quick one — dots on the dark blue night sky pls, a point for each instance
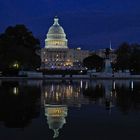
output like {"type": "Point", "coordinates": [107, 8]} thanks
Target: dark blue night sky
{"type": "Point", "coordinates": [88, 23]}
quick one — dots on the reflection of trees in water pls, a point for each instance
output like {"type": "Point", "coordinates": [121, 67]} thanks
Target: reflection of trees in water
{"type": "Point", "coordinates": [136, 96]}
{"type": "Point", "coordinates": [18, 104]}
{"type": "Point", "coordinates": [107, 93]}
{"type": "Point", "coordinates": [124, 98]}
{"type": "Point", "coordinates": [94, 93]}
{"type": "Point", "coordinates": [128, 100]}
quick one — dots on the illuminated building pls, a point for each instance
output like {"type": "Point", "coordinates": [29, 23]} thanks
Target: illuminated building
{"type": "Point", "coordinates": [56, 54]}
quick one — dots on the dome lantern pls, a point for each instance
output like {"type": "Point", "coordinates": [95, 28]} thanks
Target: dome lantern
{"type": "Point", "coordinates": [56, 19]}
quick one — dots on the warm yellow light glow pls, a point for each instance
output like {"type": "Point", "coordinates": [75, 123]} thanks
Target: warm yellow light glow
{"type": "Point", "coordinates": [56, 112]}
{"type": "Point", "coordinates": [57, 97]}
{"type": "Point", "coordinates": [68, 63]}
{"type": "Point", "coordinates": [16, 65]}
{"type": "Point", "coordinates": [46, 95]}
{"type": "Point", "coordinates": [56, 42]}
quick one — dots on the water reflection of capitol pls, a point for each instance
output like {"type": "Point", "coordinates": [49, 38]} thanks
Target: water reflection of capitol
{"type": "Point", "coordinates": [56, 117]}
{"type": "Point", "coordinates": [58, 96]}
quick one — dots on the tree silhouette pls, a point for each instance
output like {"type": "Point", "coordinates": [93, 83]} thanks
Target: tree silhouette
{"type": "Point", "coordinates": [123, 56]}
{"type": "Point", "coordinates": [18, 45]}
{"type": "Point", "coordinates": [94, 62]}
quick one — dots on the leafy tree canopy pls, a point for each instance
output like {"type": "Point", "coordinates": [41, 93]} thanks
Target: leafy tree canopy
{"type": "Point", "coordinates": [135, 58]}
{"type": "Point", "coordinates": [94, 62]}
{"type": "Point", "coordinates": [18, 47]}
{"type": "Point", "coordinates": [128, 57]}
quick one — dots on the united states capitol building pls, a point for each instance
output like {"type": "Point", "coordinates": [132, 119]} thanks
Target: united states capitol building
{"type": "Point", "coordinates": [56, 54]}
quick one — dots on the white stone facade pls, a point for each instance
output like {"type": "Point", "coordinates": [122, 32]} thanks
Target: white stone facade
{"type": "Point", "coordinates": [56, 54]}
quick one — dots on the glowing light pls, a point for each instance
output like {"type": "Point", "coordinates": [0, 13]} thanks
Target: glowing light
{"type": "Point", "coordinates": [132, 85]}
{"type": "Point", "coordinates": [114, 85]}
{"type": "Point", "coordinates": [15, 90]}
{"type": "Point", "coordinates": [81, 84]}
{"type": "Point", "coordinates": [46, 95]}
{"type": "Point", "coordinates": [78, 48]}
{"type": "Point", "coordinates": [81, 71]}
{"type": "Point", "coordinates": [16, 65]}
{"type": "Point", "coordinates": [56, 112]}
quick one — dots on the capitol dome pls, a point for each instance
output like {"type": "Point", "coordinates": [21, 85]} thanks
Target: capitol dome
{"type": "Point", "coordinates": [56, 37]}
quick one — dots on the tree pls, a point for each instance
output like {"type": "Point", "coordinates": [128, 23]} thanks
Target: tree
{"type": "Point", "coordinates": [94, 62]}
{"type": "Point", "coordinates": [123, 57]}
{"type": "Point", "coordinates": [128, 57]}
{"type": "Point", "coordinates": [18, 48]}
{"type": "Point", "coordinates": [135, 58]}
{"type": "Point", "coordinates": [124, 98]}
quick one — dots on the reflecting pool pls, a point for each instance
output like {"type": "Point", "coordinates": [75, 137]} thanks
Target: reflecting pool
{"type": "Point", "coordinates": [65, 110]}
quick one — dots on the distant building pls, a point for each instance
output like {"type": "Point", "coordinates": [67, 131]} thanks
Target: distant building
{"type": "Point", "coordinates": [56, 54]}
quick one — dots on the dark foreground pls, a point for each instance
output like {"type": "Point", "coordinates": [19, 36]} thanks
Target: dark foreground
{"type": "Point", "coordinates": [65, 110]}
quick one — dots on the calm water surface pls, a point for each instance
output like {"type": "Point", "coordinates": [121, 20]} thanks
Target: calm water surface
{"type": "Point", "coordinates": [69, 110]}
